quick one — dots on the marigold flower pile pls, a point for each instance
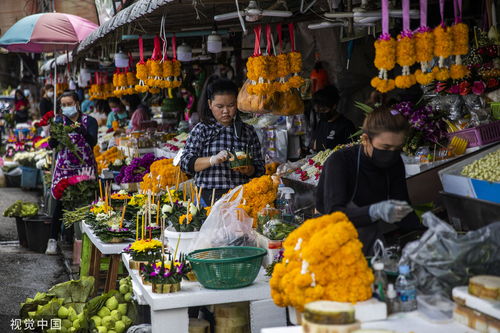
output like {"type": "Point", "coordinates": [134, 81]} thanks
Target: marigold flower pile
{"type": "Point", "coordinates": [162, 174]}
{"type": "Point", "coordinates": [322, 261]}
{"type": "Point", "coordinates": [258, 193]}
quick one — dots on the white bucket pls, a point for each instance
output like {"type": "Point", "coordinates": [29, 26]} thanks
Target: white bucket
{"type": "Point", "coordinates": [184, 241]}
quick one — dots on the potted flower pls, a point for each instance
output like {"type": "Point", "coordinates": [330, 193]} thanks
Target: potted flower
{"type": "Point", "coordinates": [143, 251]}
{"type": "Point", "coordinates": [184, 220]}
{"type": "Point", "coordinates": [165, 276]}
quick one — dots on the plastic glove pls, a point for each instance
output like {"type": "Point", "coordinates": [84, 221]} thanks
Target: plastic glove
{"type": "Point", "coordinates": [219, 158]}
{"type": "Point", "coordinates": [390, 211]}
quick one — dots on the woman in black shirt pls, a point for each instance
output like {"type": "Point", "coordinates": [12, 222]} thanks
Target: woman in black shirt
{"type": "Point", "coordinates": [367, 182]}
{"type": "Point", "coordinates": [47, 101]}
{"type": "Point", "coordinates": [333, 128]}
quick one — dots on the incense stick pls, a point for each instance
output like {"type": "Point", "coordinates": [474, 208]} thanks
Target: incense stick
{"type": "Point", "coordinates": [199, 198]}
{"type": "Point", "coordinates": [213, 198]}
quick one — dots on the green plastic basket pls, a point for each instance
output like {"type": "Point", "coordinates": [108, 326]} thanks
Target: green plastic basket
{"type": "Point", "coordinates": [227, 267]}
{"type": "Point", "coordinates": [495, 110]}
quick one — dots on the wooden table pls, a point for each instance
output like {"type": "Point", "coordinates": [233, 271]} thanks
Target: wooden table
{"type": "Point", "coordinates": [169, 312]}
{"type": "Point", "coordinates": [113, 250]}
{"type": "Point", "coordinates": [400, 323]}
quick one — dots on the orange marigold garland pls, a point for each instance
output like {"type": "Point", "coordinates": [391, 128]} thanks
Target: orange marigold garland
{"type": "Point", "coordinates": [141, 70]}
{"type": "Point", "coordinates": [405, 55]}
{"type": "Point", "coordinates": [424, 53]}
{"type": "Point", "coordinates": [385, 60]}
{"type": "Point", "coordinates": [323, 260]}
{"type": "Point", "coordinates": [460, 33]}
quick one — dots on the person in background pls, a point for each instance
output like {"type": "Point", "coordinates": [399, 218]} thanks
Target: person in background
{"type": "Point", "coordinates": [84, 136]}
{"type": "Point", "coordinates": [220, 131]}
{"type": "Point", "coordinates": [319, 77]}
{"type": "Point", "coordinates": [87, 104]}
{"type": "Point", "coordinates": [333, 128]}
{"type": "Point", "coordinates": [101, 112]}
{"type": "Point", "coordinates": [138, 111]}
{"type": "Point", "coordinates": [368, 181]}
{"type": "Point", "coordinates": [118, 112]}
{"type": "Point", "coordinates": [47, 101]}
{"type": "Point", "coordinates": [21, 107]}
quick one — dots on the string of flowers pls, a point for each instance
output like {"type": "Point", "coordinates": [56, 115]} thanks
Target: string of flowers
{"type": "Point", "coordinates": [443, 47]}
{"type": "Point", "coordinates": [405, 51]}
{"type": "Point", "coordinates": [460, 33]}
{"type": "Point", "coordinates": [141, 70]}
{"type": "Point", "coordinates": [385, 54]}
{"type": "Point", "coordinates": [424, 48]}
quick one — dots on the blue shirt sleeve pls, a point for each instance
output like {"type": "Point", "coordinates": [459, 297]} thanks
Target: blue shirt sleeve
{"type": "Point", "coordinates": [111, 118]}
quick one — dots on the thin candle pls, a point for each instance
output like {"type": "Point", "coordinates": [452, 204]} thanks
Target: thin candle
{"type": "Point", "coordinates": [184, 192]}
{"type": "Point", "coordinates": [100, 189]}
{"type": "Point", "coordinates": [170, 196]}
{"type": "Point", "coordinates": [137, 227]}
{"type": "Point", "coordinates": [123, 213]}
{"type": "Point", "coordinates": [199, 198]}
{"type": "Point", "coordinates": [213, 198]}
{"type": "Point", "coordinates": [142, 227]}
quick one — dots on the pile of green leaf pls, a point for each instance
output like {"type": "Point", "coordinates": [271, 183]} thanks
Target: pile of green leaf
{"type": "Point", "coordinates": [21, 209]}
{"type": "Point", "coordinates": [70, 301]}
{"type": "Point", "coordinates": [78, 195]}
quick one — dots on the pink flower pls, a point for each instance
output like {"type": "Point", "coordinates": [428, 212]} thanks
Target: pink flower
{"type": "Point", "coordinates": [454, 89]}
{"type": "Point", "coordinates": [311, 161]}
{"type": "Point", "coordinates": [478, 87]}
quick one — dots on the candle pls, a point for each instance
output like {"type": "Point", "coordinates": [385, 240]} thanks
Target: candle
{"type": "Point", "coordinates": [213, 197]}
{"type": "Point", "coordinates": [158, 211]}
{"type": "Point", "coordinates": [170, 197]}
{"type": "Point", "coordinates": [199, 198]}
{"type": "Point", "coordinates": [142, 228]}
{"type": "Point", "coordinates": [178, 175]}
{"type": "Point", "coordinates": [100, 189]}
{"type": "Point", "coordinates": [123, 214]}
{"type": "Point", "coordinates": [184, 192]}
{"type": "Point", "coordinates": [137, 227]}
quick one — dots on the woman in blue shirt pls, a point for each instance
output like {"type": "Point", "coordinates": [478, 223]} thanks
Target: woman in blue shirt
{"type": "Point", "coordinates": [118, 113]}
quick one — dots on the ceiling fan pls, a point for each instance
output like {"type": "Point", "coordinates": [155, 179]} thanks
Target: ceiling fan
{"type": "Point", "coordinates": [252, 13]}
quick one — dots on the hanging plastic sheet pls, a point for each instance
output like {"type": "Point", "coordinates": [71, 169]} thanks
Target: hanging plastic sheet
{"type": "Point", "coordinates": [443, 259]}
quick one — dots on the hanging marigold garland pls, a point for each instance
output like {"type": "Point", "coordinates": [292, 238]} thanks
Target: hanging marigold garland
{"type": "Point", "coordinates": [141, 70]}
{"type": "Point", "coordinates": [385, 54]}
{"type": "Point", "coordinates": [443, 47]}
{"type": "Point", "coordinates": [424, 48]}
{"type": "Point", "coordinates": [405, 51]}
{"type": "Point", "coordinates": [460, 33]}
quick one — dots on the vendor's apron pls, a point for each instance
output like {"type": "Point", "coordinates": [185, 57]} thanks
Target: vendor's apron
{"type": "Point", "coordinates": [370, 233]}
{"type": "Point", "coordinates": [67, 164]}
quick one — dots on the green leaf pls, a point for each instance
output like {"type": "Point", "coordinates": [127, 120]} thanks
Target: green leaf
{"type": "Point", "coordinates": [365, 108]}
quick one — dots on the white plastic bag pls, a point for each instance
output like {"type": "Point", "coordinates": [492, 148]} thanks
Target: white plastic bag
{"type": "Point", "coordinates": [227, 225]}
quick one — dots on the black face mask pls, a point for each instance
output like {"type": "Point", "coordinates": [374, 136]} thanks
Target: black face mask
{"type": "Point", "coordinates": [385, 158]}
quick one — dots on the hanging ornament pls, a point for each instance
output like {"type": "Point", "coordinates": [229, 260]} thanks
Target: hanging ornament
{"type": "Point", "coordinates": [460, 32]}
{"type": "Point", "coordinates": [443, 46]}
{"type": "Point", "coordinates": [295, 61]}
{"type": "Point", "coordinates": [141, 70]}
{"type": "Point", "coordinates": [385, 54]}
{"type": "Point", "coordinates": [405, 51]}
{"type": "Point", "coordinates": [424, 48]}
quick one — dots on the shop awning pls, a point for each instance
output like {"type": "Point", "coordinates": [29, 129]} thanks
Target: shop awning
{"type": "Point", "coordinates": [126, 16]}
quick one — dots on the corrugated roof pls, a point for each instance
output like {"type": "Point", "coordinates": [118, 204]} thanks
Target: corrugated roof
{"type": "Point", "coordinates": [125, 16]}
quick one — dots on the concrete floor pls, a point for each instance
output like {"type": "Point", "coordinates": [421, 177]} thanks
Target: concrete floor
{"type": "Point", "coordinates": [23, 273]}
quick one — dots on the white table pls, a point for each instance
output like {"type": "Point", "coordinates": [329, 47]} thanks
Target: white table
{"type": "Point", "coordinates": [400, 323]}
{"type": "Point", "coordinates": [98, 249]}
{"type": "Point", "coordinates": [169, 312]}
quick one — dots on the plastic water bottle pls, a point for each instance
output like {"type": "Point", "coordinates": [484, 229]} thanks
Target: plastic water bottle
{"type": "Point", "coordinates": [406, 288]}
{"type": "Point", "coordinates": [288, 210]}
{"type": "Point", "coordinates": [380, 284]}
{"type": "Point", "coordinates": [280, 197]}
{"type": "Point", "coordinates": [391, 299]}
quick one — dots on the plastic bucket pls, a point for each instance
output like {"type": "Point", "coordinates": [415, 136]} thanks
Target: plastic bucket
{"type": "Point", "coordinates": [38, 233]}
{"type": "Point", "coordinates": [29, 177]}
{"type": "Point", "coordinates": [13, 181]}
{"type": "Point", "coordinates": [184, 238]}
{"type": "Point", "coordinates": [21, 232]}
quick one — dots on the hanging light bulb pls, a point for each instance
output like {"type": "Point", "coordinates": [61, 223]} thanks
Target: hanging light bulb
{"type": "Point", "coordinates": [121, 60]}
{"type": "Point", "coordinates": [214, 43]}
{"type": "Point", "coordinates": [184, 53]}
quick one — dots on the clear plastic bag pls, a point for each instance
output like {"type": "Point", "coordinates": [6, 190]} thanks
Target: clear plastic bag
{"type": "Point", "coordinates": [227, 225]}
{"type": "Point", "coordinates": [255, 103]}
{"type": "Point", "coordinates": [443, 259]}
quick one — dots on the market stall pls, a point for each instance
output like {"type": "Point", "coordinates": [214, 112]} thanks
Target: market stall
{"type": "Point", "coordinates": [225, 210]}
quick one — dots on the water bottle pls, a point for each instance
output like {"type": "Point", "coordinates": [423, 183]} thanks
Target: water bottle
{"type": "Point", "coordinates": [280, 197]}
{"type": "Point", "coordinates": [391, 299]}
{"type": "Point", "coordinates": [288, 210]}
{"type": "Point", "coordinates": [406, 288]}
{"type": "Point", "coordinates": [380, 284]}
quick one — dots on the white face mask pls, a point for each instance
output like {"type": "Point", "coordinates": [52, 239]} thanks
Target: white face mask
{"type": "Point", "coordinates": [26, 92]}
{"type": "Point", "coordinates": [127, 107]}
{"type": "Point", "coordinates": [87, 96]}
{"type": "Point", "coordinates": [50, 94]}
{"type": "Point", "coordinates": [69, 111]}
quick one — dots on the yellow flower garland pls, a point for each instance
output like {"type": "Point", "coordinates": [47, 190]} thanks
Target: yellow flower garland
{"type": "Point", "coordinates": [322, 261]}
{"type": "Point", "coordinates": [405, 56]}
{"type": "Point", "coordinates": [443, 48]}
{"type": "Point", "coordinates": [385, 60]}
{"type": "Point", "coordinates": [162, 173]}
{"type": "Point", "coordinates": [257, 194]}
{"type": "Point", "coordinates": [460, 32]}
{"type": "Point", "coordinates": [424, 53]}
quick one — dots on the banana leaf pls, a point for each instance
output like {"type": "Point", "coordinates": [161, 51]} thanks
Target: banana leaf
{"type": "Point", "coordinates": [75, 291]}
